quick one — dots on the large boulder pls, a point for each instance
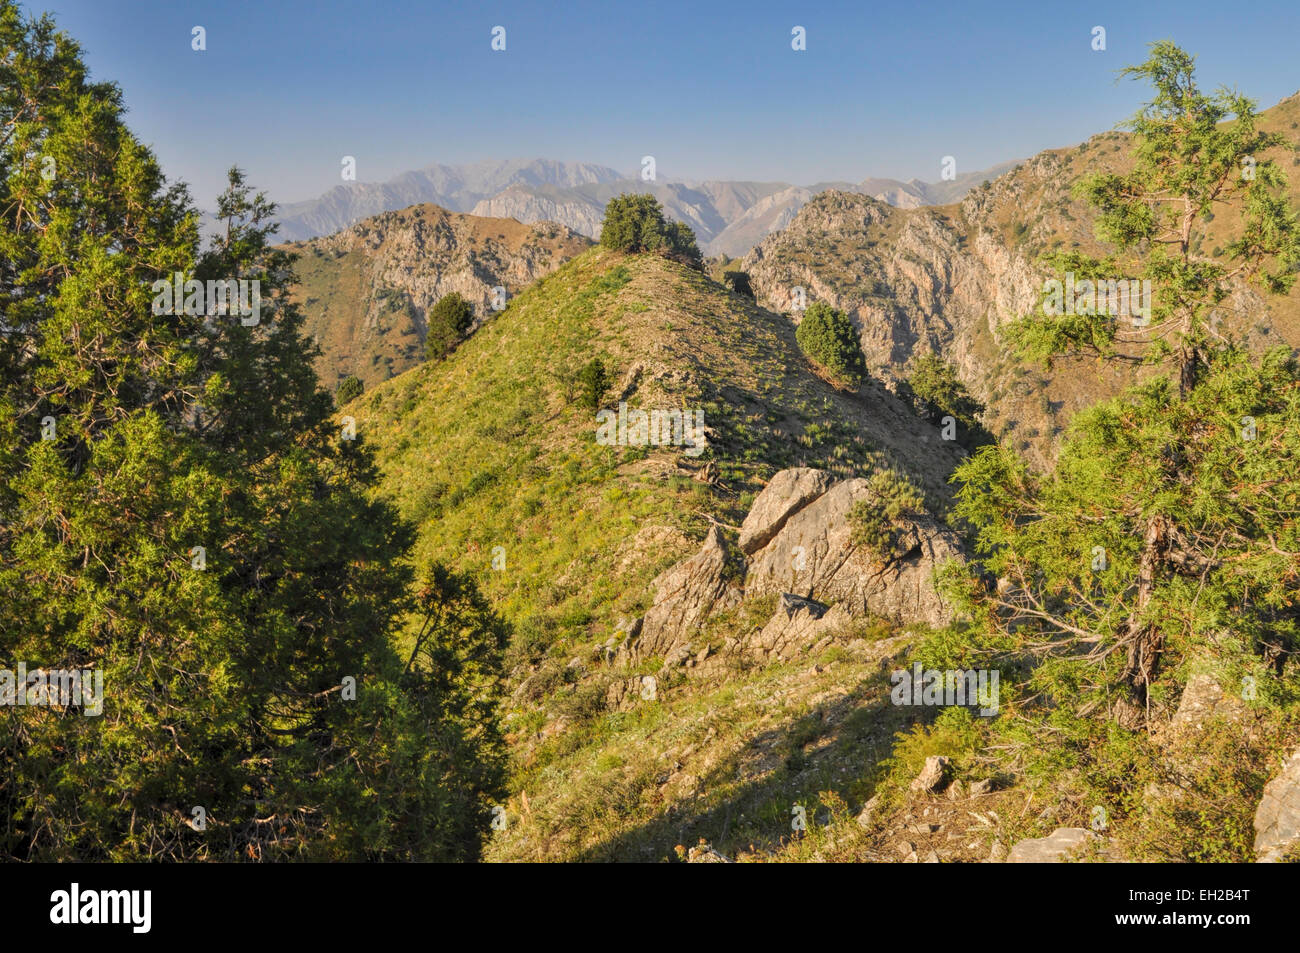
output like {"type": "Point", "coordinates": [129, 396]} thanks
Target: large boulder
{"type": "Point", "coordinates": [797, 625]}
{"type": "Point", "coordinates": [1202, 700]}
{"type": "Point", "coordinates": [1277, 820]}
{"type": "Point", "coordinates": [686, 595]}
{"type": "Point", "coordinates": [1061, 845]}
{"type": "Point", "coordinates": [812, 555]}
{"type": "Point", "coordinates": [787, 493]}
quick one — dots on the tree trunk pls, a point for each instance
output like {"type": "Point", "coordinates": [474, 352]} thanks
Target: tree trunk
{"type": "Point", "coordinates": [1144, 639]}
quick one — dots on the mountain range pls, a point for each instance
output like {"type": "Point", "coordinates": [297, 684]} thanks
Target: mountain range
{"type": "Point", "coordinates": [728, 217]}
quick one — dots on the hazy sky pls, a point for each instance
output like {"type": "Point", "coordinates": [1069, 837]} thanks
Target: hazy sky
{"type": "Point", "coordinates": [286, 88]}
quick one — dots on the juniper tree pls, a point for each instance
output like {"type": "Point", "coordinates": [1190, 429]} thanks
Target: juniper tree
{"type": "Point", "coordinates": [1169, 524]}
{"type": "Point", "coordinates": [828, 337]}
{"type": "Point", "coordinates": [178, 510]}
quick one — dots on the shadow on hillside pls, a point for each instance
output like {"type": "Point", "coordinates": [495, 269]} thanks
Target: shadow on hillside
{"type": "Point", "coordinates": [837, 747]}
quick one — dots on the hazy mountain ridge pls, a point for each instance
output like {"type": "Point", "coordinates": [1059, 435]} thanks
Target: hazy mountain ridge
{"type": "Point", "coordinates": [729, 217]}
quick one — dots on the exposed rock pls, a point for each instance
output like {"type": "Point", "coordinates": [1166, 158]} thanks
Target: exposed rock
{"type": "Point", "coordinates": [627, 693]}
{"type": "Point", "coordinates": [705, 854]}
{"type": "Point", "coordinates": [1060, 845]}
{"type": "Point", "coordinates": [1277, 820]}
{"type": "Point", "coordinates": [1203, 700]}
{"type": "Point", "coordinates": [787, 493]}
{"type": "Point", "coordinates": [868, 813]}
{"type": "Point", "coordinates": [685, 595]}
{"type": "Point", "coordinates": [813, 556]}
{"type": "Point", "coordinates": [796, 624]}
{"type": "Point", "coordinates": [982, 787]}
{"type": "Point", "coordinates": [934, 776]}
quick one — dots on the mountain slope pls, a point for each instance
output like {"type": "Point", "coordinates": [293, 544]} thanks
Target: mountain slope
{"type": "Point", "coordinates": [500, 467]}
{"type": "Point", "coordinates": [946, 278]}
{"type": "Point", "coordinates": [365, 291]}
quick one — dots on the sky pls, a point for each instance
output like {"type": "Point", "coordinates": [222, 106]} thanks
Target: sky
{"type": "Point", "coordinates": [713, 90]}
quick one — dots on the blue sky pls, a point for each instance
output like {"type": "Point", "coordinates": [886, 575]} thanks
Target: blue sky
{"type": "Point", "coordinates": [712, 90]}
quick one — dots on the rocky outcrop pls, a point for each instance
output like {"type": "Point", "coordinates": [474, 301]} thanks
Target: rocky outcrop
{"type": "Point", "coordinates": [787, 493]}
{"type": "Point", "coordinates": [814, 556]}
{"type": "Point", "coordinates": [1277, 820]}
{"type": "Point", "coordinates": [798, 625]}
{"type": "Point", "coordinates": [686, 595]}
{"type": "Point", "coordinates": [934, 776]}
{"type": "Point", "coordinates": [1202, 700]}
{"type": "Point", "coordinates": [1064, 843]}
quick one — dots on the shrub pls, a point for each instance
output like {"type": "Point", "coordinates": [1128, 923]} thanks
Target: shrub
{"type": "Point", "coordinates": [593, 381]}
{"type": "Point", "coordinates": [827, 337]}
{"type": "Point", "coordinates": [448, 321]}
{"type": "Point", "coordinates": [738, 281]}
{"type": "Point", "coordinates": [875, 524]}
{"type": "Point", "coordinates": [636, 223]}
{"type": "Point", "coordinates": [349, 390]}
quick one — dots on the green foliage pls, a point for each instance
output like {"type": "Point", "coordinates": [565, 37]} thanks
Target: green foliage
{"type": "Point", "coordinates": [876, 524]}
{"type": "Point", "coordinates": [349, 390]}
{"type": "Point", "coordinates": [738, 281]}
{"type": "Point", "coordinates": [935, 392]}
{"type": "Point", "coordinates": [453, 753]}
{"type": "Point", "coordinates": [827, 337]}
{"type": "Point", "coordinates": [448, 321]}
{"type": "Point", "coordinates": [593, 382]}
{"type": "Point", "coordinates": [636, 223]}
{"type": "Point", "coordinates": [224, 681]}
{"type": "Point", "coordinates": [1189, 160]}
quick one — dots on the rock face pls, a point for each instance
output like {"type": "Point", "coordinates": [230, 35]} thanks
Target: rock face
{"type": "Point", "coordinates": [1056, 848]}
{"type": "Point", "coordinates": [934, 776]}
{"type": "Point", "coordinates": [1277, 820]}
{"type": "Point", "coordinates": [686, 595]}
{"type": "Point", "coordinates": [787, 493]}
{"type": "Point", "coordinates": [813, 556]}
{"type": "Point", "coordinates": [365, 291]}
{"type": "Point", "coordinates": [797, 625]}
{"type": "Point", "coordinates": [1203, 699]}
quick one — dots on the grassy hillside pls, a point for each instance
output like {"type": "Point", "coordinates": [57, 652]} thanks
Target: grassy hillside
{"type": "Point", "coordinates": [488, 450]}
{"type": "Point", "coordinates": [366, 290]}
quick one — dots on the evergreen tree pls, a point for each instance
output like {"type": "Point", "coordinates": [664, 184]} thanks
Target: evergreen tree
{"type": "Point", "coordinates": [448, 322]}
{"type": "Point", "coordinates": [1168, 530]}
{"type": "Point", "coordinates": [935, 392]}
{"type": "Point", "coordinates": [180, 513]}
{"type": "Point", "coordinates": [829, 339]}
{"type": "Point", "coordinates": [350, 388]}
{"type": "Point", "coordinates": [636, 223]}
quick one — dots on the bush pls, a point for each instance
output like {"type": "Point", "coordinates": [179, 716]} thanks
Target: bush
{"type": "Point", "coordinates": [636, 223]}
{"type": "Point", "coordinates": [738, 281]}
{"type": "Point", "coordinates": [349, 390]}
{"type": "Point", "coordinates": [448, 321]}
{"type": "Point", "coordinates": [875, 524]}
{"type": "Point", "coordinates": [827, 337]}
{"type": "Point", "coordinates": [935, 392]}
{"type": "Point", "coordinates": [593, 381]}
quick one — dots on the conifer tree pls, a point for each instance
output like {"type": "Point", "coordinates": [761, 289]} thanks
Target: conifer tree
{"type": "Point", "coordinates": [179, 510]}
{"type": "Point", "coordinates": [1168, 530]}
